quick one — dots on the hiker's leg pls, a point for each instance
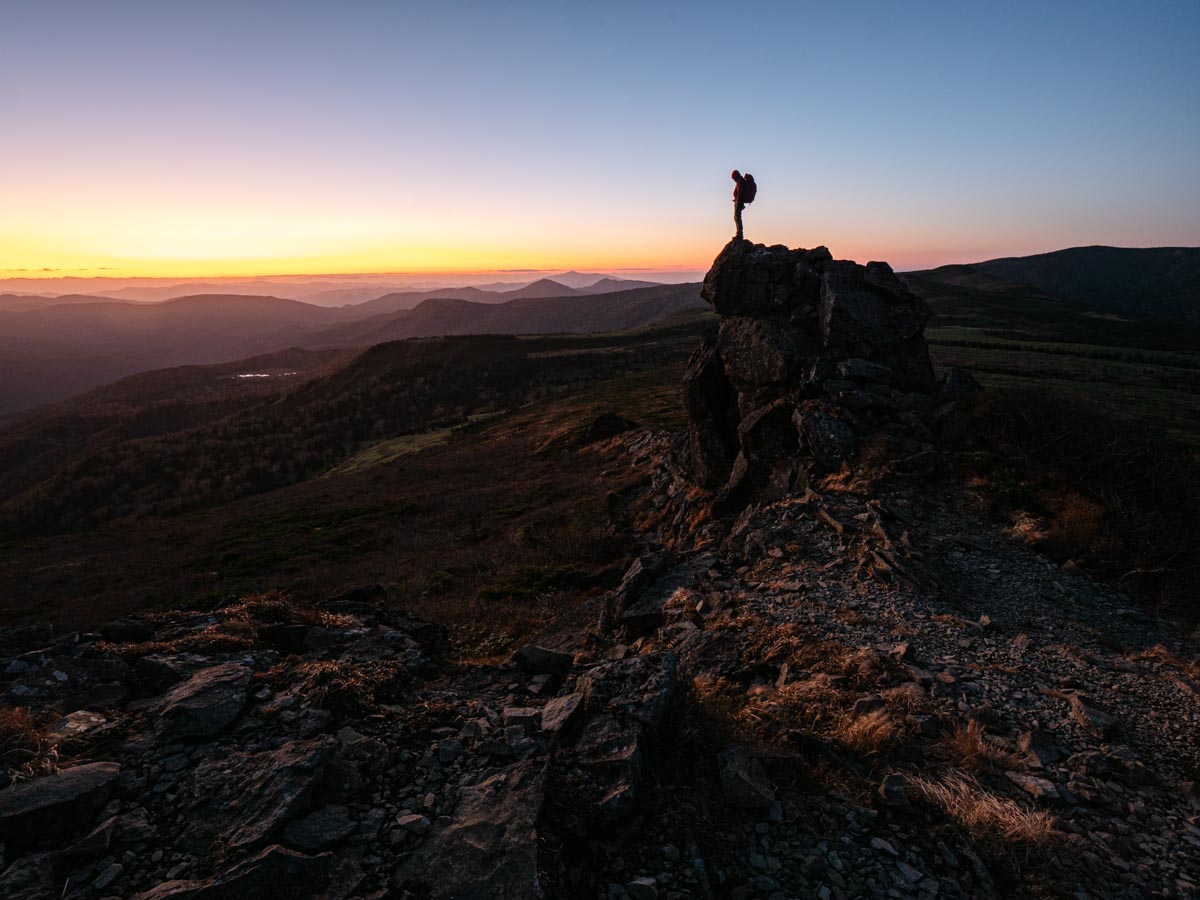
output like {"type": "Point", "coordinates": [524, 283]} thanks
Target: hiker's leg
{"type": "Point", "coordinates": [737, 218]}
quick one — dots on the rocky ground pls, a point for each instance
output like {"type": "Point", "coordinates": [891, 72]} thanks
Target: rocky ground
{"type": "Point", "coordinates": [827, 674]}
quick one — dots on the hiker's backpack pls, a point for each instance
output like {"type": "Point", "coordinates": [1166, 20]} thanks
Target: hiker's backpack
{"type": "Point", "coordinates": [749, 189]}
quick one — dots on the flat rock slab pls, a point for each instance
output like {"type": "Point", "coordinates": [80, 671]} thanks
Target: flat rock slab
{"type": "Point", "coordinates": [490, 850]}
{"type": "Point", "coordinates": [322, 828]}
{"type": "Point", "coordinates": [273, 874]}
{"type": "Point", "coordinates": [559, 711]}
{"type": "Point", "coordinates": [49, 807]}
{"type": "Point", "coordinates": [204, 705]}
{"type": "Point", "coordinates": [245, 798]}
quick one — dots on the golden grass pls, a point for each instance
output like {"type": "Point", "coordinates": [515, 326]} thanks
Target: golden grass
{"type": "Point", "coordinates": [872, 734]}
{"type": "Point", "coordinates": [1160, 654]}
{"type": "Point", "coordinates": [344, 687]}
{"type": "Point", "coordinates": [989, 819]}
{"type": "Point", "coordinates": [25, 749]}
{"type": "Point", "coordinates": [968, 748]}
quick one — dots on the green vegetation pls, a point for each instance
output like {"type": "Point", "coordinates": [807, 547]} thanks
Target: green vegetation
{"type": "Point", "coordinates": [531, 582]}
{"type": "Point", "coordinates": [1160, 388]}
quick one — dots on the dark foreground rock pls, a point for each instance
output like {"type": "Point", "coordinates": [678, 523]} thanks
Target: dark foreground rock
{"type": "Point", "coordinates": [204, 705]}
{"type": "Point", "coordinates": [48, 807]}
{"type": "Point", "coordinates": [813, 359]}
{"type": "Point", "coordinates": [490, 849]}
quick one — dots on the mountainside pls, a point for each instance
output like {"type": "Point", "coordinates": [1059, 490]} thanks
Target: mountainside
{"type": "Point", "coordinates": [162, 442]}
{"type": "Point", "coordinates": [1154, 288]}
{"type": "Point", "coordinates": [55, 350]}
{"type": "Point", "coordinates": [613, 311]}
{"type": "Point", "coordinates": [771, 639]}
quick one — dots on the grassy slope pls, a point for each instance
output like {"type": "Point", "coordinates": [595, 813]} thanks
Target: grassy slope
{"type": "Point", "coordinates": [508, 506]}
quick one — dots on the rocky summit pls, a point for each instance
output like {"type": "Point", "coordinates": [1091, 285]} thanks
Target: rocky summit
{"type": "Point", "coordinates": [810, 352]}
{"type": "Point", "coordinates": [827, 673]}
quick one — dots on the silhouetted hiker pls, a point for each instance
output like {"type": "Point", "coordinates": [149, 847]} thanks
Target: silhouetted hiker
{"type": "Point", "coordinates": [743, 193]}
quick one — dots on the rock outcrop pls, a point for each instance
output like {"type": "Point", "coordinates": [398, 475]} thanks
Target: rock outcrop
{"type": "Point", "coordinates": [813, 358]}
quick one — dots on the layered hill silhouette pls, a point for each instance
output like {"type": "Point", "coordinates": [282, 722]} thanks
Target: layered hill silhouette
{"type": "Point", "coordinates": [1103, 294]}
{"type": "Point", "coordinates": [55, 350]}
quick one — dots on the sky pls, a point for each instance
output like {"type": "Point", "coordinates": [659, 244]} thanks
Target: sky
{"type": "Point", "coordinates": [234, 138]}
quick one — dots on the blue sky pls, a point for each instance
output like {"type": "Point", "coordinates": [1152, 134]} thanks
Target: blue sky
{"type": "Point", "coordinates": [190, 137]}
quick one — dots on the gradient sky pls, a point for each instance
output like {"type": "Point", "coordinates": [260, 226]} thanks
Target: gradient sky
{"type": "Point", "coordinates": [232, 138]}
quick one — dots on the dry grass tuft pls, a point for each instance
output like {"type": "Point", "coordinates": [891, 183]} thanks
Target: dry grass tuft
{"type": "Point", "coordinates": [968, 748]}
{"type": "Point", "coordinates": [905, 699]}
{"type": "Point", "coordinates": [869, 735]}
{"type": "Point", "coordinates": [344, 688]}
{"type": "Point", "coordinates": [1160, 654]}
{"type": "Point", "coordinates": [992, 821]}
{"type": "Point", "coordinates": [809, 705]}
{"type": "Point", "coordinates": [25, 749]}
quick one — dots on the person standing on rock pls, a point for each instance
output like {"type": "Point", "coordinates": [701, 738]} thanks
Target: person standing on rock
{"type": "Point", "coordinates": [744, 190]}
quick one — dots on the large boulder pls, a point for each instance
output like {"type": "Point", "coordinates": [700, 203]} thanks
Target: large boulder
{"type": "Point", "coordinates": [51, 806]}
{"type": "Point", "coordinates": [638, 688]}
{"type": "Point", "coordinates": [712, 406]}
{"type": "Point", "coordinates": [204, 705]}
{"type": "Point", "coordinates": [490, 848]}
{"type": "Point", "coordinates": [857, 312]}
{"type": "Point", "coordinates": [752, 280]}
{"type": "Point", "coordinates": [835, 342]}
{"type": "Point", "coordinates": [759, 353]}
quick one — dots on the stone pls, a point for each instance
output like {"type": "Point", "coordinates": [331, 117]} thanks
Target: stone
{"type": "Point", "coordinates": [204, 705]}
{"type": "Point", "coordinates": [558, 712]}
{"type": "Point", "coordinates": [273, 874]}
{"type": "Point", "coordinates": [528, 717]}
{"type": "Point", "coordinates": [1092, 717]}
{"type": "Point", "coordinates": [639, 687]}
{"type": "Point", "coordinates": [753, 280]}
{"type": "Point", "coordinates": [541, 661]}
{"type": "Point", "coordinates": [1038, 788]}
{"type": "Point", "coordinates": [865, 706]}
{"type": "Point", "coordinates": [712, 408]}
{"type": "Point", "coordinates": [31, 877]}
{"type": "Point", "coordinates": [829, 439]}
{"type": "Point", "coordinates": [865, 370]}
{"type": "Point", "coordinates": [245, 798]}
{"type": "Point", "coordinates": [490, 849]}
{"type": "Point", "coordinates": [1040, 745]}
{"type": "Point", "coordinates": [642, 889]}
{"type": "Point", "coordinates": [320, 829]}
{"type": "Point", "coordinates": [156, 674]}
{"type": "Point", "coordinates": [54, 805]}
{"type": "Point", "coordinates": [414, 824]}
{"type": "Point", "coordinates": [894, 793]}
{"type": "Point", "coordinates": [76, 725]}
{"type": "Point", "coordinates": [744, 781]}
{"type": "Point", "coordinates": [855, 312]}
{"type": "Point", "coordinates": [449, 752]}
{"type": "Point", "coordinates": [759, 353]}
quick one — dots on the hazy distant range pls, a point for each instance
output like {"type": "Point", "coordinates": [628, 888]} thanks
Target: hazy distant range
{"type": "Point", "coordinates": [52, 347]}
{"type": "Point", "coordinates": [321, 290]}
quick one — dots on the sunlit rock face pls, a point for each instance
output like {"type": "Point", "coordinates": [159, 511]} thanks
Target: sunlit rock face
{"type": "Point", "coordinates": [813, 358]}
